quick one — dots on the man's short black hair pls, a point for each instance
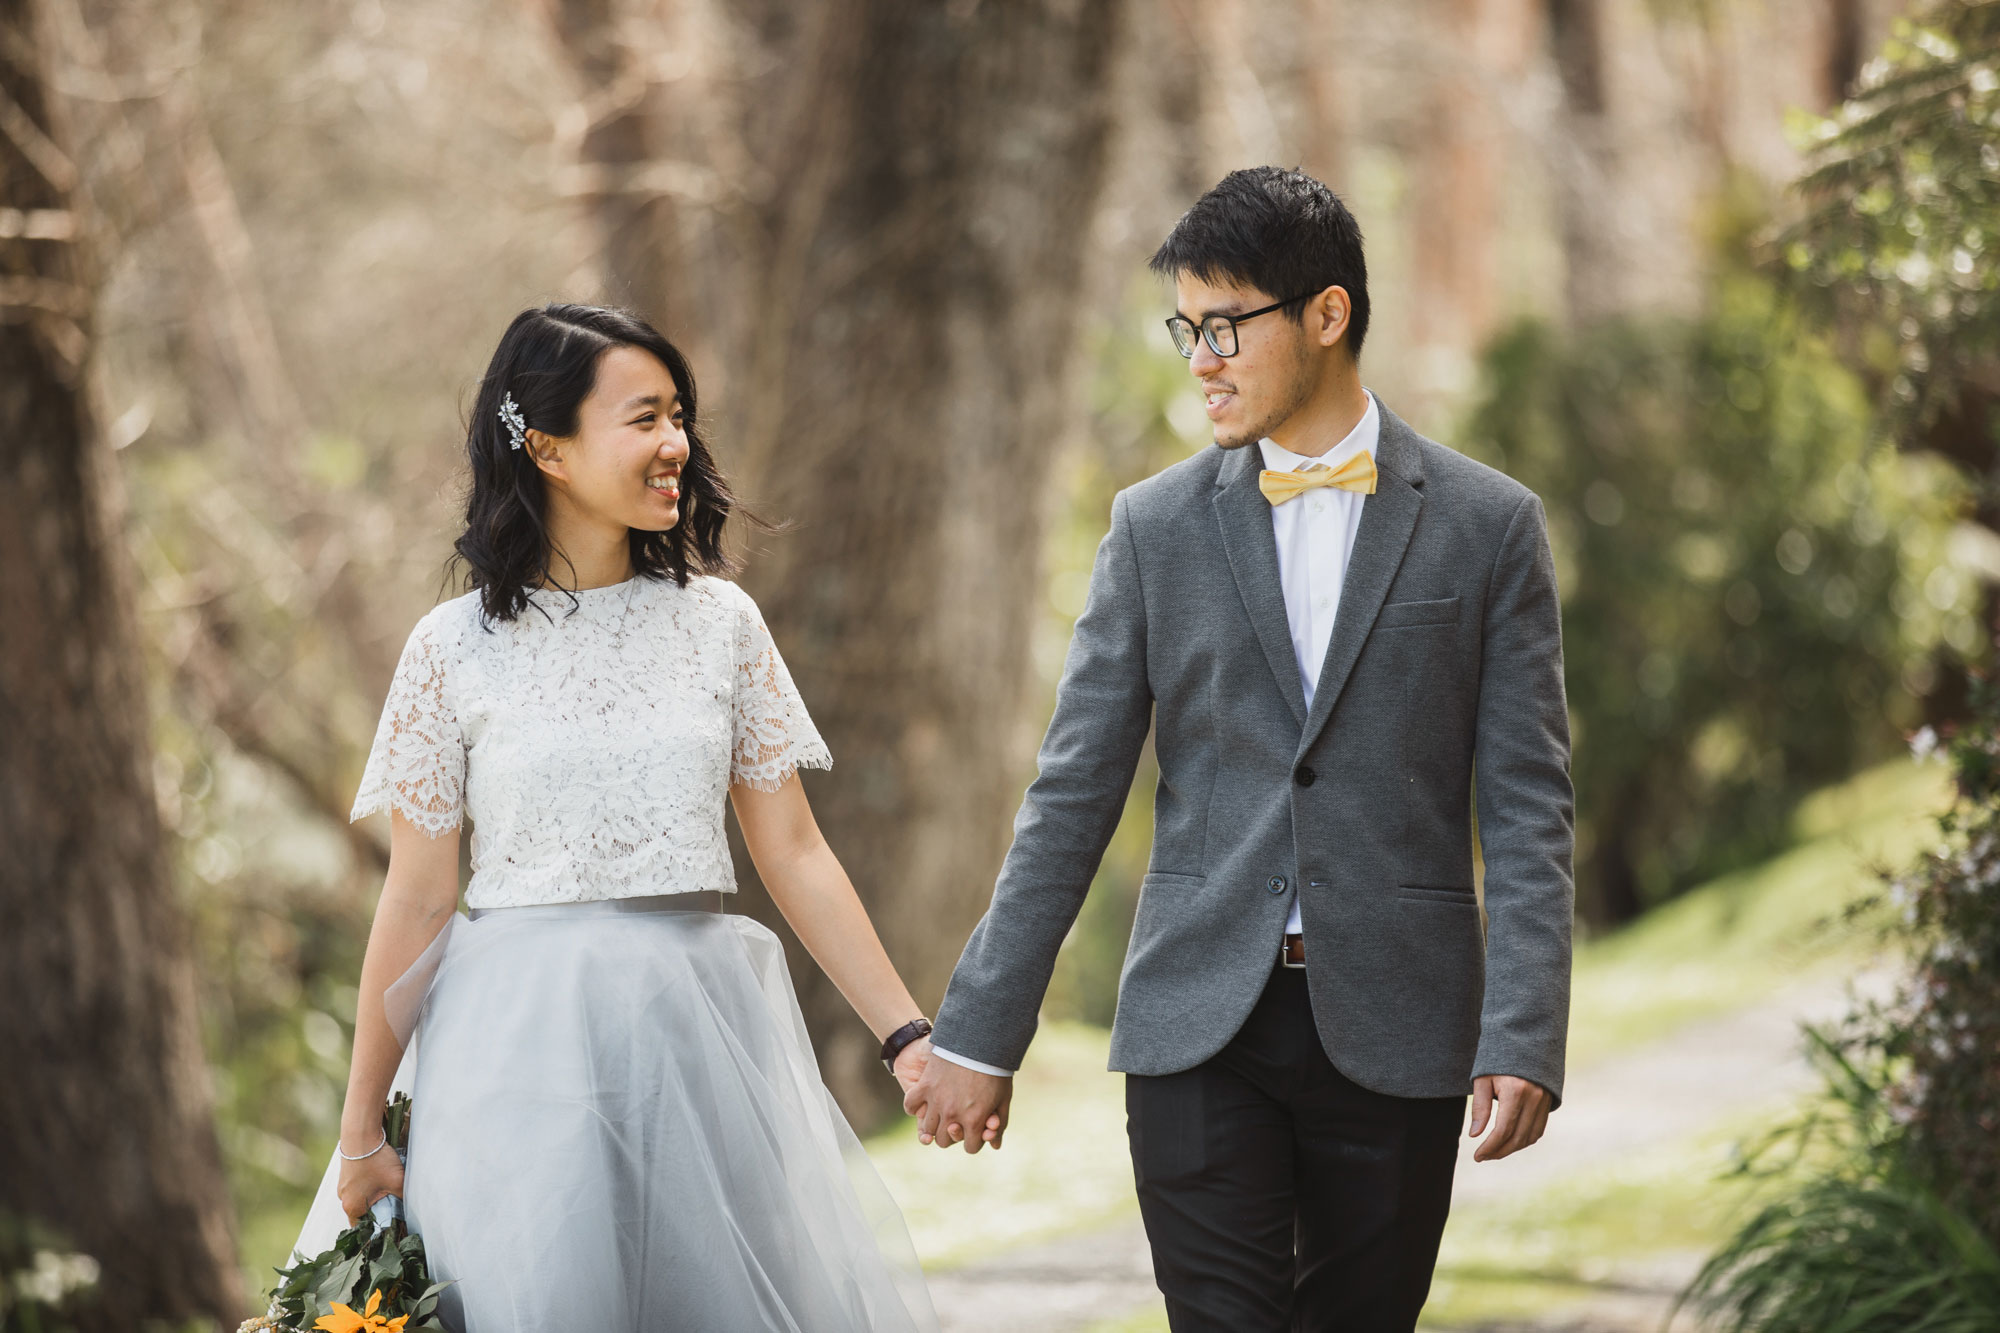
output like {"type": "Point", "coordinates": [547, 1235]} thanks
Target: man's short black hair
{"type": "Point", "coordinates": [1278, 230]}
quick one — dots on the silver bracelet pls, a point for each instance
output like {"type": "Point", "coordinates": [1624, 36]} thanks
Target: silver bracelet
{"type": "Point", "coordinates": [370, 1153]}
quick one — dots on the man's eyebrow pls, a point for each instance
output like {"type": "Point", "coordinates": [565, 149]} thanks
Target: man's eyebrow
{"type": "Point", "coordinates": [1230, 308]}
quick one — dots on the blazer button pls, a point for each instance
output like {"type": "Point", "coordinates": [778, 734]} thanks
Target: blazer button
{"type": "Point", "coordinates": [1277, 884]}
{"type": "Point", "coordinates": [1304, 775]}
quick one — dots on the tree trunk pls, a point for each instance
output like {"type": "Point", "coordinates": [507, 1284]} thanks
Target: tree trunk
{"type": "Point", "coordinates": [1587, 164]}
{"type": "Point", "coordinates": [1234, 119]}
{"type": "Point", "coordinates": [618, 172]}
{"type": "Point", "coordinates": [896, 291]}
{"type": "Point", "coordinates": [1325, 150]}
{"type": "Point", "coordinates": [1458, 165]}
{"type": "Point", "coordinates": [1608, 892]}
{"type": "Point", "coordinates": [105, 1131]}
{"type": "Point", "coordinates": [1846, 48]}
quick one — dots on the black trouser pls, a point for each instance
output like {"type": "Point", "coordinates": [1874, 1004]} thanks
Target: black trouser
{"type": "Point", "coordinates": [1279, 1194]}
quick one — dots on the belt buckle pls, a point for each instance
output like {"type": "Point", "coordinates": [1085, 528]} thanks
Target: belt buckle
{"type": "Point", "coordinates": [1284, 961]}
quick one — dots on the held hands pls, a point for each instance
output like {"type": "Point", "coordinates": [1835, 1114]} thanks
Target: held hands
{"type": "Point", "coordinates": [362, 1183]}
{"type": "Point", "coordinates": [947, 1097]}
{"type": "Point", "coordinates": [1519, 1111]}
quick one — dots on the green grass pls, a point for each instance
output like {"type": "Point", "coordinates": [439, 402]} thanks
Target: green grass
{"type": "Point", "coordinates": [265, 1241]}
{"type": "Point", "coordinates": [1746, 936]}
{"type": "Point", "coordinates": [1659, 1210]}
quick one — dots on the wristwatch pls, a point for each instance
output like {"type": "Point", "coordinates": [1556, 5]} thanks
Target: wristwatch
{"type": "Point", "coordinates": [901, 1037]}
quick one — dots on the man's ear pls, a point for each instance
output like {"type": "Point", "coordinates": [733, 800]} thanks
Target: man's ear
{"type": "Point", "coordinates": [1329, 313]}
{"type": "Point", "coordinates": [546, 450]}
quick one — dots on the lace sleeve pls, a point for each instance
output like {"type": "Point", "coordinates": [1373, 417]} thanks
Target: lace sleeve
{"type": "Point", "coordinates": [417, 765]}
{"type": "Point", "coordinates": [774, 737]}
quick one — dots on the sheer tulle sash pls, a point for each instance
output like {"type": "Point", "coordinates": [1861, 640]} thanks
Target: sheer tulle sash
{"type": "Point", "coordinates": [403, 1000]}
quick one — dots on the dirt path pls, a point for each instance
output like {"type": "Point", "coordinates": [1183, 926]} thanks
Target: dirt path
{"type": "Point", "coordinates": [1676, 1088]}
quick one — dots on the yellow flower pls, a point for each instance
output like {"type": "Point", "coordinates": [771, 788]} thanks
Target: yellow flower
{"type": "Point", "coordinates": [346, 1321]}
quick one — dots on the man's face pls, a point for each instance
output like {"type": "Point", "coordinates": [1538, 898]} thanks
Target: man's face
{"type": "Point", "coordinates": [1250, 394]}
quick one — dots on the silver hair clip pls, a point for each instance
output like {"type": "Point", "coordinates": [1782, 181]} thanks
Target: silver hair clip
{"type": "Point", "coordinates": [510, 416]}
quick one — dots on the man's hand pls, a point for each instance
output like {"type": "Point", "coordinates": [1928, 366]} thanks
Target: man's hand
{"type": "Point", "coordinates": [1518, 1109]}
{"type": "Point", "coordinates": [948, 1097]}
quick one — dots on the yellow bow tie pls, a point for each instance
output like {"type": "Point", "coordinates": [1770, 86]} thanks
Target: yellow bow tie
{"type": "Point", "coordinates": [1356, 474]}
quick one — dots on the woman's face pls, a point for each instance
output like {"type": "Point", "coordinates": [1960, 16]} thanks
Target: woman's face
{"type": "Point", "coordinates": [622, 468]}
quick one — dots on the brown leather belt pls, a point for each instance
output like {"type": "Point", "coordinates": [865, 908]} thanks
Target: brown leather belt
{"type": "Point", "coordinates": [1293, 952]}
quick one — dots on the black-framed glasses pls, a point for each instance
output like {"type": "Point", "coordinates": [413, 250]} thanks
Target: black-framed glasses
{"type": "Point", "coordinates": [1218, 331]}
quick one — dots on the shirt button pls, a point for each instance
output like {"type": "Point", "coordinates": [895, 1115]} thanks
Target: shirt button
{"type": "Point", "coordinates": [1325, 602]}
{"type": "Point", "coordinates": [1277, 884]}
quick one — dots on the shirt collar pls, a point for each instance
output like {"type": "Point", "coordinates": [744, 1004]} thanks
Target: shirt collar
{"type": "Point", "coordinates": [1366, 435]}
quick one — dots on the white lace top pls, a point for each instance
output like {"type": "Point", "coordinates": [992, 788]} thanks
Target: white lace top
{"type": "Point", "coordinates": [592, 748]}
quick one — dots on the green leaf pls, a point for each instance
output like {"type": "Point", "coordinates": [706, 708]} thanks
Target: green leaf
{"type": "Point", "coordinates": [384, 1274]}
{"type": "Point", "coordinates": [338, 1285]}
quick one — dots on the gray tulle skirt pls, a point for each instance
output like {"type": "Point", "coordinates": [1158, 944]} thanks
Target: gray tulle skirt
{"type": "Point", "coordinates": [619, 1125]}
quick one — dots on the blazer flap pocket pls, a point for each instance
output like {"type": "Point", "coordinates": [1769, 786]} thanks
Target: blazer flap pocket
{"type": "Point", "coordinates": [1427, 894]}
{"type": "Point", "coordinates": [1435, 611]}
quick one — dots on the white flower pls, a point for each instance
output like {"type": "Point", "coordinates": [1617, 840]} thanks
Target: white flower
{"type": "Point", "coordinates": [1924, 743]}
{"type": "Point", "coordinates": [54, 1276]}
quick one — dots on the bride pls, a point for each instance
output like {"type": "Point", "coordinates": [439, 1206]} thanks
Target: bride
{"type": "Point", "coordinates": [618, 1123]}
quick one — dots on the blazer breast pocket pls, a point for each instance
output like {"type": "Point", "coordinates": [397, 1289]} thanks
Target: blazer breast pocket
{"type": "Point", "coordinates": [1434, 611]}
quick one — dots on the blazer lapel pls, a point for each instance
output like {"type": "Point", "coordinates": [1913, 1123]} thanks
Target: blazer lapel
{"type": "Point", "coordinates": [1388, 517]}
{"type": "Point", "coordinates": [1245, 518]}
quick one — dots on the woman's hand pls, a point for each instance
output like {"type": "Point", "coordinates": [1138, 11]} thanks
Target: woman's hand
{"type": "Point", "coordinates": [910, 1062]}
{"type": "Point", "coordinates": [365, 1181]}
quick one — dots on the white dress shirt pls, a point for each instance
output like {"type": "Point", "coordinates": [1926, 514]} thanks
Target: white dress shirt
{"type": "Point", "coordinates": [1315, 536]}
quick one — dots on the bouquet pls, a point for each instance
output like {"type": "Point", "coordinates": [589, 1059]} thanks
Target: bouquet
{"type": "Point", "coordinates": [375, 1278]}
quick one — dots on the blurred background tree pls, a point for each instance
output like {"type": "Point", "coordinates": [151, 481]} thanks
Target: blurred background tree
{"type": "Point", "coordinates": [828, 237]}
{"type": "Point", "coordinates": [1892, 251]}
{"type": "Point", "coordinates": [107, 1141]}
{"type": "Point", "coordinates": [1752, 594]}
{"type": "Point", "coordinates": [1896, 251]}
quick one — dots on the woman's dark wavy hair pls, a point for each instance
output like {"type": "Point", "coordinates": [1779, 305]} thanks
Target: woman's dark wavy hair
{"type": "Point", "coordinates": [547, 360]}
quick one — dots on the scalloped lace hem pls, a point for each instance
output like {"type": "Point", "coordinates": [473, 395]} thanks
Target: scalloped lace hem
{"type": "Point", "coordinates": [772, 775]}
{"type": "Point", "coordinates": [434, 823]}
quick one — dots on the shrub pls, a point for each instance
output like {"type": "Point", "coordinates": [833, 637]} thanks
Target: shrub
{"type": "Point", "coordinates": [1891, 1213]}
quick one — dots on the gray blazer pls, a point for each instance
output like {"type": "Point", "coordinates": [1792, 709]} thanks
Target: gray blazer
{"type": "Point", "coordinates": [1444, 676]}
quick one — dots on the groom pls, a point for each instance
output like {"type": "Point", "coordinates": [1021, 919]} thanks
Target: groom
{"type": "Point", "coordinates": [1339, 631]}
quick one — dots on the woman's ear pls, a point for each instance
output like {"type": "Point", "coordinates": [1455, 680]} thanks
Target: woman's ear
{"type": "Point", "coordinates": [547, 452]}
